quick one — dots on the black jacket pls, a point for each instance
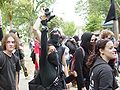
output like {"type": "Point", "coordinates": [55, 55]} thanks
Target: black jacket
{"type": "Point", "coordinates": [101, 76]}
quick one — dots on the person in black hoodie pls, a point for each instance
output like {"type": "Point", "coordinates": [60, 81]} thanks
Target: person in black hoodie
{"type": "Point", "coordinates": [101, 74]}
{"type": "Point", "coordinates": [81, 54]}
{"type": "Point", "coordinates": [107, 34]}
{"type": "Point", "coordinates": [50, 75]}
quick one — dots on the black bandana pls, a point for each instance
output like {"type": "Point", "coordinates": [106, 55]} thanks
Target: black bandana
{"type": "Point", "coordinates": [53, 58]}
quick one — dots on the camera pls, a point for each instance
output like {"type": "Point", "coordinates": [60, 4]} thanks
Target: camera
{"type": "Point", "coordinates": [46, 17]}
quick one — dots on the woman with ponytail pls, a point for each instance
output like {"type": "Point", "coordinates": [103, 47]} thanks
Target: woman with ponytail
{"type": "Point", "coordinates": [101, 75]}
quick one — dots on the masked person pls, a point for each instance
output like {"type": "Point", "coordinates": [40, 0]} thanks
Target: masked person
{"type": "Point", "coordinates": [81, 55]}
{"type": "Point", "coordinates": [50, 75]}
{"type": "Point", "coordinates": [55, 36]}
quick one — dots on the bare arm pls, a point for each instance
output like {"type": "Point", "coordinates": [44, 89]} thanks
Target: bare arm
{"type": "Point", "coordinates": [17, 82]}
{"type": "Point", "coordinates": [36, 30]}
{"type": "Point", "coordinates": [65, 65]}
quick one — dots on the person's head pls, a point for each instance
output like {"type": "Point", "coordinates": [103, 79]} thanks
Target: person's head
{"type": "Point", "coordinates": [54, 32]}
{"type": "Point", "coordinates": [76, 38]}
{"type": "Point", "coordinates": [10, 42]}
{"type": "Point", "coordinates": [15, 32]}
{"type": "Point", "coordinates": [55, 36]}
{"type": "Point", "coordinates": [104, 48]}
{"type": "Point", "coordinates": [106, 34]}
{"type": "Point", "coordinates": [88, 40]}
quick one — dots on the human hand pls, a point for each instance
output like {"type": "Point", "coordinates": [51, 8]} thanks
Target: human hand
{"type": "Point", "coordinates": [74, 73]}
{"type": "Point", "coordinates": [51, 49]}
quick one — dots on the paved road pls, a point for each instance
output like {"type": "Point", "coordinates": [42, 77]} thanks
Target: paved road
{"type": "Point", "coordinates": [30, 66]}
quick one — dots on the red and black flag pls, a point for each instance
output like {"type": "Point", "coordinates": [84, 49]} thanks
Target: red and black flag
{"type": "Point", "coordinates": [111, 14]}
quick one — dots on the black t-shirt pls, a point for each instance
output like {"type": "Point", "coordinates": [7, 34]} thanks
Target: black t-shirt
{"type": "Point", "coordinates": [8, 68]}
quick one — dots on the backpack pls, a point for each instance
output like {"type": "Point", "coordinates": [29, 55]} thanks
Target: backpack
{"type": "Point", "coordinates": [72, 64]}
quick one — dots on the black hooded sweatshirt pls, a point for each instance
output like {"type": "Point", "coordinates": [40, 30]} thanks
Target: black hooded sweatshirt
{"type": "Point", "coordinates": [101, 76]}
{"type": "Point", "coordinates": [81, 59]}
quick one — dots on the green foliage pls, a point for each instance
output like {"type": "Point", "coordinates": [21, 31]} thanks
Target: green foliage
{"type": "Point", "coordinates": [55, 22]}
{"type": "Point", "coordinates": [96, 11]}
{"type": "Point", "coordinates": [23, 13]}
{"type": "Point", "coordinates": [100, 6]}
{"type": "Point", "coordinates": [94, 23]}
{"type": "Point", "coordinates": [68, 28]}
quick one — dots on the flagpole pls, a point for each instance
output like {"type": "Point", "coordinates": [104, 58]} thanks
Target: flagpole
{"type": "Point", "coordinates": [115, 23]}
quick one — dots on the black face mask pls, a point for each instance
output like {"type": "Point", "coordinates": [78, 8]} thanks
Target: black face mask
{"type": "Point", "coordinates": [55, 39]}
{"type": "Point", "coordinates": [53, 58]}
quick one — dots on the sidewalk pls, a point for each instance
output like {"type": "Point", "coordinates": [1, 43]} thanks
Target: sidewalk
{"type": "Point", "coordinates": [30, 66]}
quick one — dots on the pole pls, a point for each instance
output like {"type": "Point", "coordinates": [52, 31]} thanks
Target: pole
{"type": "Point", "coordinates": [115, 23]}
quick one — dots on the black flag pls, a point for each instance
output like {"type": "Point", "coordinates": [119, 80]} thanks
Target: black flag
{"type": "Point", "coordinates": [111, 14]}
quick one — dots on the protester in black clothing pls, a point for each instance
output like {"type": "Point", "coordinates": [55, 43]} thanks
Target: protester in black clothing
{"type": "Point", "coordinates": [101, 74]}
{"type": "Point", "coordinates": [55, 36]}
{"type": "Point", "coordinates": [49, 66]}
{"type": "Point", "coordinates": [81, 55]}
{"type": "Point", "coordinates": [50, 75]}
{"type": "Point", "coordinates": [9, 63]}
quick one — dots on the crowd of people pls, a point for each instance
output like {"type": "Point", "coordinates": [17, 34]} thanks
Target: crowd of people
{"type": "Point", "coordinates": [89, 62]}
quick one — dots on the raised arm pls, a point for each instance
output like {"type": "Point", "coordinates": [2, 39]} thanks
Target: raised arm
{"type": "Point", "coordinates": [36, 30]}
{"type": "Point", "coordinates": [44, 46]}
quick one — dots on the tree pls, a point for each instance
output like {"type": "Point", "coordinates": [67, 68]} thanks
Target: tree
{"type": "Point", "coordinates": [94, 23]}
{"type": "Point", "coordinates": [55, 22]}
{"type": "Point", "coordinates": [96, 12]}
{"type": "Point", "coordinates": [22, 13]}
{"type": "Point", "coordinates": [69, 28]}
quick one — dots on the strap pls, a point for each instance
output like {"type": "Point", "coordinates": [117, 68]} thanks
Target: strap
{"type": "Point", "coordinates": [82, 51]}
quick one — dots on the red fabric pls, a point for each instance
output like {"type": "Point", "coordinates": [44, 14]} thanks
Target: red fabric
{"type": "Point", "coordinates": [36, 65]}
{"type": "Point", "coordinates": [37, 47]}
{"type": "Point", "coordinates": [37, 50]}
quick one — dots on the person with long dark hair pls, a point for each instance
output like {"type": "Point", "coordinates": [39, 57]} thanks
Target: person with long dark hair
{"type": "Point", "coordinates": [101, 74]}
{"type": "Point", "coordinates": [81, 55]}
{"type": "Point", "coordinates": [108, 34]}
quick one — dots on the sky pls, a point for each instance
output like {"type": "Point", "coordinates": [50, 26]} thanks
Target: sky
{"type": "Point", "coordinates": [66, 10]}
